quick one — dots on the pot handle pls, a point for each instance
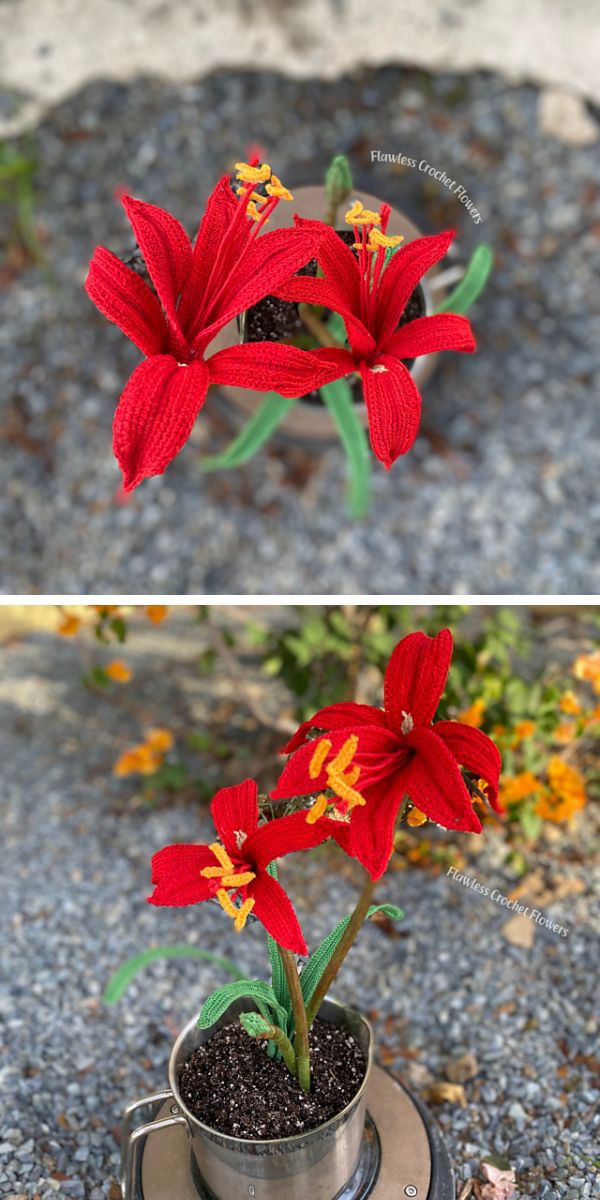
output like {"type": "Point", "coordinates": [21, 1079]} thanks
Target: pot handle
{"type": "Point", "coordinates": [134, 1135]}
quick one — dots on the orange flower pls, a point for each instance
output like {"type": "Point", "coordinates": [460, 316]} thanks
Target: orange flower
{"type": "Point", "coordinates": [160, 740]}
{"type": "Point", "coordinates": [118, 671]}
{"type": "Point", "coordinates": [570, 704]}
{"type": "Point", "coordinates": [139, 760]}
{"type": "Point", "coordinates": [473, 715]}
{"type": "Point", "coordinates": [70, 625]}
{"type": "Point", "coordinates": [564, 733]}
{"type": "Point", "coordinates": [587, 667]}
{"type": "Point", "coordinates": [519, 787]}
{"type": "Point", "coordinates": [566, 795]}
{"type": "Point", "coordinates": [524, 729]}
{"type": "Point", "coordinates": [416, 817]}
{"type": "Point", "coordinates": [157, 613]}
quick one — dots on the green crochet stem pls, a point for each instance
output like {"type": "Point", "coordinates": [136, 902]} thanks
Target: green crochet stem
{"type": "Point", "coordinates": [337, 397]}
{"type": "Point", "coordinates": [257, 1027]}
{"type": "Point", "coordinates": [357, 919]}
{"type": "Point", "coordinates": [300, 1020]}
{"type": "Point", "coordinates": [472, 283]}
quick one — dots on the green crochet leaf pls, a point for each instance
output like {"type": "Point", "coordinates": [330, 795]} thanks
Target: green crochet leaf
{"type": "Point", "coordinates": [472, 282]}
{"type": "Point", "coordinates": [338, 398]}
{"type": "Point", "coordinates": [253, 435]}
{"type": "Point", "coordinates": [122, 978]}
{"type": "Point", "coordinates": [318, 961]}
{"type": "Point", "coordinates": [251, 989]}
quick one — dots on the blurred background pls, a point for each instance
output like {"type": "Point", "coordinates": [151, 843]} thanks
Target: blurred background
{"type": "Point", "coordinates": [117, 727]}
{"type": "Point", "coordinates": [498, 493]}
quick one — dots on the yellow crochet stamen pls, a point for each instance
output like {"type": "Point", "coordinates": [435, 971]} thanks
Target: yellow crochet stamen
{"type": "Point", "coordinates": [226, 864]}
{"type": "Point", "coordinates": [276, 188]}
{"type": "Point", "coordinates": [344, 756]}
{"type": "Point", "coordinates": [227, 903]}
{"type": "Point", "coordinates": [242, 914]}
{"type": "Point", "coordinates": [238, 881]}
{"type": "Point", "coordinates": [318, 809]}
{"type": "Point", "coordinates": [256, 196]}
{"type": "Point", "coordinates": [377, 239]}
{"type": "Point", "coordinates": [239, 915]}
{"type": "Point", "coordinates": [254, 212]}
{"type": "Point", "coordinates": [359, 215]}
{"type": "Point", "coordinates": [341, 775]}
{"type": "Point", "coordinates": [248, 174]}
{"type": "Point", "coordinates": [316, 763]}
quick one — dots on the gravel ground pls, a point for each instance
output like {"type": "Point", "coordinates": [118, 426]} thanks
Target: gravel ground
{"type": "Point", "coordinates": [76, 861]}
{"type": "Point", "coordinates": [511, 508]}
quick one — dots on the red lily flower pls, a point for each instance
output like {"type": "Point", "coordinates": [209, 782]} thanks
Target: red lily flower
{"type": "Point", "coordinates": [234, 869]}
{"type": "Point", "coordinates": [397, 751]}
{"type": "Point", "coordinates": [197, 291]}
{"type": "Point", "coordinates": [371, 298]}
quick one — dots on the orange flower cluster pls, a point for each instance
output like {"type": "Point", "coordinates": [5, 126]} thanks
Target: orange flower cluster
{"type": "Point", "coordinates": [147, 757]}
{"type": "Point", "coordinates": [565, 794]}
{"type": "Point", "coordinates": [587, 667]}
{"type": "Point", "coordinates": [474, 714]}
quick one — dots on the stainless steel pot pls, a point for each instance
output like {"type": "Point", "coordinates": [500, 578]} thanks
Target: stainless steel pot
{"type": "Point", "coordinates": [318, 1164]}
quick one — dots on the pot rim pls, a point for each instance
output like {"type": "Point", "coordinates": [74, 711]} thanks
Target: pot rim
{"type": "Point", "coordinates": [294, 1137]}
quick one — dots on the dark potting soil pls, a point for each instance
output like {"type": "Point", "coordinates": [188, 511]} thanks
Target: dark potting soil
{"type": "Point", "coordinates": [274, 320]}
{"type": "Point", "coordinates": [232, 1085]}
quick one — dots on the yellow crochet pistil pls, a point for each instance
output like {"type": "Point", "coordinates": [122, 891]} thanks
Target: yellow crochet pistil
{"type": "Point", "coordinates": [248, 174]}
{"type": "Point", "coordinates": [254, 212]}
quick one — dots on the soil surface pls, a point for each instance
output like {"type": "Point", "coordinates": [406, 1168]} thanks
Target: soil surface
{"type": "Point", "coordinates": [232, 1085]}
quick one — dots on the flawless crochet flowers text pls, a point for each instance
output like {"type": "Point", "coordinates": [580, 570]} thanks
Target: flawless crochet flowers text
{"type": "Point", "coordinates": [453, 186]}
{"type": "Point", "coordinates": [525, 910]}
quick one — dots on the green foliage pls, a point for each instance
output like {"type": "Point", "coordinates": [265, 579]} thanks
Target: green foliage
{"type": "Point", "coordinates": [472, 283]}
{"type": "Point", "coordinates": [252, 989]}
{"type": "Point", "coordinates": [122, 978]}
{"type": "Point", "coordinates": [253, 436]}
{"type": "Point", "coordinates": [17, 193]}
{"type": "Point", "coordinates": [337, 397]}
{"type": "Point", "coordinates": [312, 972]}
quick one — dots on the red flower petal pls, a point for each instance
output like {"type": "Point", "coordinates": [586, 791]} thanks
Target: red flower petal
{"type": "Point", "coordinates": [393, 405]}
{"type": "Point", "coordinates": [235, 808]}
{"type": "Point", "coordinates": [285, 835]}
{"type": "Point", "coordinates": [336, 716]}
{"type": "Point", "coordinates": [127, 301]}
{"type": "Point", "coordinates": [270, 366]}
{"type": "Point", "coordinates": [474, 751]}
{"type": "Point", "coordinates": [176, 873]}
{"type": "Point", "coordinates": [340, 266]}
{"type": "Point", "coordinates": [274, 909]}
{"type": "Point", "coordinates": [372, 827]}
{"type": "Point", "coordinates": [378, 754]}
{"type": "Point", "coordinates": [428, 335]}
{"type": "Point", "coordinates": [416, 676]}
{"type": "Point", "coordinates": [220, 210]}
{"type": "Point", "coordinates": [155, 415]}
{"type": "Point", "coordinates": [271, 260]}
{"type": "Point", "coordinates": [435, 784]}
{"type": "Point", "coordinates": [401, 277]}
{"type": "Point", "coordinates": [167, 253]}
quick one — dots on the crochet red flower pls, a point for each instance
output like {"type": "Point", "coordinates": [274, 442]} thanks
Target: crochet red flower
{"type": "Point", "coordinates": [397, 751]}
{"type": "Point", "coordinates": [371, 298]}
{"type": "Point", "coordinates": [234, 869]}
{"type": "Point", "coordinates": [197, 290]}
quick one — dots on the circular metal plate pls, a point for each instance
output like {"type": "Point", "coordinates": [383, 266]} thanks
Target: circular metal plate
{"type": "Point", "coordinates": [413, 1163]}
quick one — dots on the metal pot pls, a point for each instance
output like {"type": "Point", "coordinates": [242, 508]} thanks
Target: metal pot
{"type": "Point", "coordinates": [312, 423]}
{"type": "Point", "coordinates": [318, 1164]}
